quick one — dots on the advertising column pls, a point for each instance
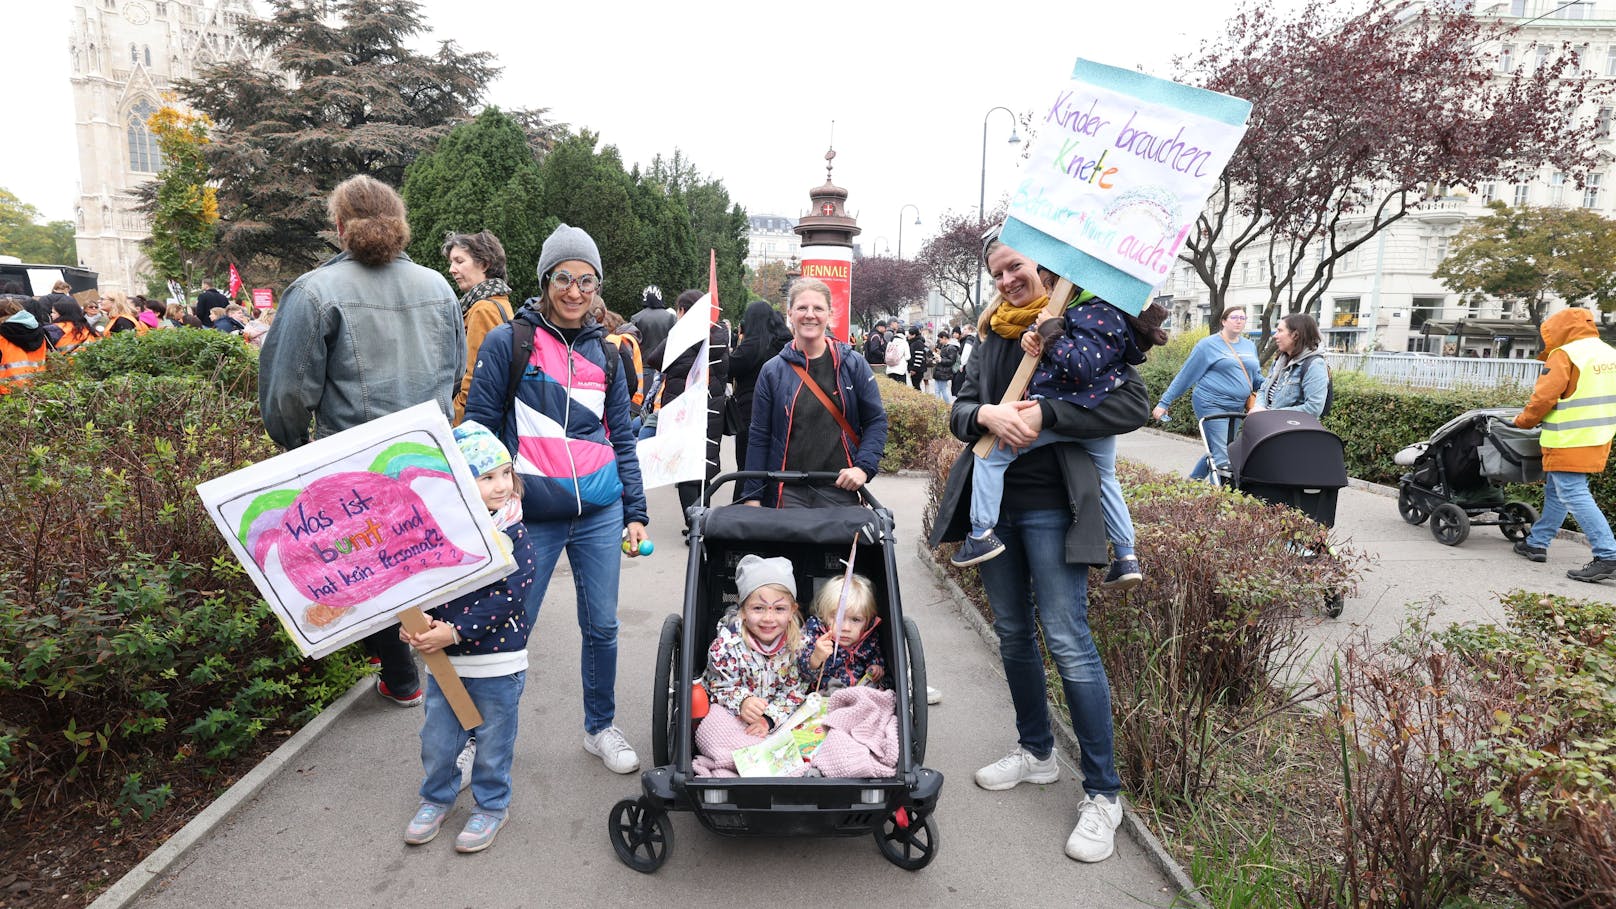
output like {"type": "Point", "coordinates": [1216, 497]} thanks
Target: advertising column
{"type": "Point", "coordinates": [834, 266]}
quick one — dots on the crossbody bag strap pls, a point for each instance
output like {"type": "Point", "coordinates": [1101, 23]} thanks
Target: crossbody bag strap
{"type": "Point", "coordinates": [824, 399]}
{"type": "Point", "coordinates": [1236, 355]}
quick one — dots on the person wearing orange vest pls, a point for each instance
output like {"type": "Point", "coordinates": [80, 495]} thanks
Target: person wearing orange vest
{"type": "Point", "coordinates": [22, 345]}
{"type": "Point", "coordinates": [70, 328]}
{"type": "Point", "coordinates": [1575, 403]}
{"type": "Point", "coordinates": [626, 336]}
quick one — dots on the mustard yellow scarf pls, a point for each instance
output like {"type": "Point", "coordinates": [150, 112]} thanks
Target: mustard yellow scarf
{"type": "Point", "coordinates": [1009, 320]}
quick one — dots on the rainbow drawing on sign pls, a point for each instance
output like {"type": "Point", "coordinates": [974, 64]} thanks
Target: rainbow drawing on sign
{"type": "Point", "coordinates": [348, 537]}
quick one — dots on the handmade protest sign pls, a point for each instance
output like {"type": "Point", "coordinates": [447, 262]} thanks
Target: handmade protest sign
{"type": "Point", "coordinates": [1122, 166]}
{"type": "Point", "coordinates": [678, 450]}
{"type": "Point", "coordinates": [342, 534]}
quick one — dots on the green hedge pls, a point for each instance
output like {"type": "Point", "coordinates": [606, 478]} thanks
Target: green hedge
{"type": "Point", "coordinates": [1375, 420]}
{"type": "Point", "coordinates": [133, 649]}
{"type": "Point", "coordinates": [914, 420]}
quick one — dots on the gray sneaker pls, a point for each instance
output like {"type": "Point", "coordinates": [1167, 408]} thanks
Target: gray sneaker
{"type": "Point", "coordinates": [479, 833]}
{"type": "Point", "coordinates": [1527, 550]}
{"type": "Point", "coordinates": [1094, 837]}
{"type": "Point", "coordinates": [1595, 571]}
{"type": "Point", "coordinates": [613, 750]}
{"type": "Point", "coordinates": [1016, 768]}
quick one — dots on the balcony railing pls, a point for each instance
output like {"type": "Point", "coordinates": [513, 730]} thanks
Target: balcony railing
{"type": "Point", "coordinates": [1439, 372]}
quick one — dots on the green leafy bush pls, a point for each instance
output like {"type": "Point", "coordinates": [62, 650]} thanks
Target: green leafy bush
{"type": "Point", "coordinates": [914, 420]}
{"type": "Point", "coordinates": [199, 353]}
{"type": "Point", "coordinates": [132, 646]}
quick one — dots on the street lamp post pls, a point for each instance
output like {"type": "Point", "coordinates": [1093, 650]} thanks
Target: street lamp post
{"type": "Point", "coordinates": [982, 192]}
{"type": "Point", "coordinates": [906, 207]}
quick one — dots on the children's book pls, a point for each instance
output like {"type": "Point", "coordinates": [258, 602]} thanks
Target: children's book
{"type": "Point", "coordinates": [781, 752]}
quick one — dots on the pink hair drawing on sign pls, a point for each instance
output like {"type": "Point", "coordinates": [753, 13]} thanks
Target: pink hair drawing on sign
{"type": "Point", "coordinates": [349, 537]}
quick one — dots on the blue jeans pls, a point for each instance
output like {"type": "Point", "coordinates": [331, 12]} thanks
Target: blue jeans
{"type": "Point", "coordinates": [442, 739]}
{"type": "Point", "coordinates": [1033, 567]}
{"type": "Point", "coordinates": [1568, 493]}
{"type": "Point", "coordinates": [1217, 442]}
{"type": "Point", "coordinates": [944, 389]}
{"type": "Point", "coordinates": [987, 487]}
{"type": "Point", "coordinates": [594, 551]}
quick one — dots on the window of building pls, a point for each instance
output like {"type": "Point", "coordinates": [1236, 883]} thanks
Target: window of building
{"type": "Point", "coordinates": [1610, 61]}
{"type": "Point", "coordinates": [143, 154]}
{"type": "Point", "coordinates": [1506, 58]}
{"type": "Point", "coordinates": [1424, 309]}
{"type": "Point", "coordinates": [1488, 191]}
{"type": "Point", "coordinates": [1602, 123]}
{"type": "Point", "coordinates": [1346, 312]}
{"type": "Point", "coordinates": [1542, 56]}
{"type": "Point", "coordinates": [1576, 9]}
{"type": "Point", "coordinates": [1590, 192]}
{"type": "Point", "coordinates": [1517, 7]}
{"type": "Point", "coordinates": [145, 51]}
{"type": "Point", "coordinates": [162, 9]}
{"type": "Point", "coordinates": [134, 53]}
{"type": "Point", "coordinates": [1521, 191]}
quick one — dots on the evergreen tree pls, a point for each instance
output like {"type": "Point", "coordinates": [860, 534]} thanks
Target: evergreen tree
{"type": "Point", "coordinates": [458, 186]}
{"type": "Point", "coordinates": [715, 224]}
{"type": "Point", "coordinates": [349, 97]}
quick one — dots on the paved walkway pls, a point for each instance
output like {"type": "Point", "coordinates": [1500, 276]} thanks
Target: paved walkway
{"type": "Point", "coordinates": [327, 827]}
{"type": "Point", "coordinates": [326, 830]}
{"type": "Point", "coordinates": [1408, 566]}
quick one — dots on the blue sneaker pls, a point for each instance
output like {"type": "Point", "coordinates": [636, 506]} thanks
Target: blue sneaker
{"type": "Point", "coordinates": [977, 549]}
{"type": "Point", "coordinates": [426, 823]}
{"type": "Point", "coordinates": [1124, 574]}
{"type": "Point", "coordinates": [479, 833]}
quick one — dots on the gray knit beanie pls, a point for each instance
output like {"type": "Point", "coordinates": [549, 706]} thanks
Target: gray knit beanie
{"type": "Point", "coordinates": [565, 244]}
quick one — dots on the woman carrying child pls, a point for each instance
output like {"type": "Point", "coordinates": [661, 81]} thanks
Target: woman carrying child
{"type": "Point", "coordinates": [752, 669]}
{"type": "Point", "coordinates": [1051, 526]}
{"type": "Point", "coordinates": [842, 659]}
{"type": "Point", "coordinates": [484, 635]}
{"type": "Point", "coordinates": [1084, 355]}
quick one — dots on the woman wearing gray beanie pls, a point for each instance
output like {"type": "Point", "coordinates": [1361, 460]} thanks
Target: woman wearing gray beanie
{"type": "Point", "coordinates": [569, 431]}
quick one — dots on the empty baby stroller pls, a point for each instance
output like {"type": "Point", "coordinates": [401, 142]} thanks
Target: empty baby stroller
{"type": "Point", "coordinates": [897, 809]}
{"type": "Point", "coordinates": [1456, 477]}
{"type": "Point", "coordinates": [1285, 457]}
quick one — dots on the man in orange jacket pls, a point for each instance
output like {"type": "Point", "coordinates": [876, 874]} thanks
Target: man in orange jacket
{"type": "Point", "coordinates": [1575, 402]}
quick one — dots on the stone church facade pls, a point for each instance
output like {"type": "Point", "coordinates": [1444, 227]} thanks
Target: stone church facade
{"type": "Point", "coordinates": [126, 55]}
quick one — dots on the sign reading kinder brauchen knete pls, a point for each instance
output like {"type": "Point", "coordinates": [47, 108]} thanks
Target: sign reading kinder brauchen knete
{"type": "Point", "coordinates": [342, 534]}
{"type": "Point", "coordinates": [1122, 166]}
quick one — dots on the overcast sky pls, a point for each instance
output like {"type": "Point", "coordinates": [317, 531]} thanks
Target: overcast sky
{"type": "Point", "coordinates": [747, 90]}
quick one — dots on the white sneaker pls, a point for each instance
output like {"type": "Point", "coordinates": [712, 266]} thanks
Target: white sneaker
{"type": "Point", "coordinates": [1094, 837]}
{"type": "Point", "coordinates": [613, 750]}
{"type": "Point", "coordinates": [468, 755]}
{"type": "Point", "coordinates": [933, 696]}
{"type": "Point", "coordinates": [1018, 767]}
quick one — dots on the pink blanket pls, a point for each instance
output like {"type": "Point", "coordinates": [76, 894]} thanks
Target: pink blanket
{"type": "Point", "coordinates": [861, 738]}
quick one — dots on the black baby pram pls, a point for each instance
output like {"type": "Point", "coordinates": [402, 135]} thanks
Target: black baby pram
{"type": "Point", "coordinates": [1285, 457]}
{"type": "Point", "coordinates": [1456, 478]}
{"type": "Point", "coordinates": [896, 809]}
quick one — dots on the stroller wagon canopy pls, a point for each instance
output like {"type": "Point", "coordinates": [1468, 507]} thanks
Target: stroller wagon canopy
{"type": "Point", "coordinates": [1287, 448]}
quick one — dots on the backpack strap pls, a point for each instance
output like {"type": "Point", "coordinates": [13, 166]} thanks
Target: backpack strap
{"type": "Point", "coordinates": [1329, 384]}
{"type": "Point", "coordinates": [521, 352]}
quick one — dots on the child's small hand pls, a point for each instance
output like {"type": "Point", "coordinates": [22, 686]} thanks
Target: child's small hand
{"type": "Point", "coordinates": [435, 638]}
{"type": "Point", "coordinates": [1032, 344]}
{"type": "Point", "coordinates": [877, 673]}
{"type": "Point", "coordinates": [752, 710]}
{"type": "Point", "coordinates": [758, 729]}
{"type": "Point", "coordinates": [822, 649]}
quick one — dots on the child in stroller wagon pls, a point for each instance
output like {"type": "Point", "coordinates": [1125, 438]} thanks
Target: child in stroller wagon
{"type": "Point", "coordinates": [752, 669]}
{"type": "Point", "coordinates": [857, 652]}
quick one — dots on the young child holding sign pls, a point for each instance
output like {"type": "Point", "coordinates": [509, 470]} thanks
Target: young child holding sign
{"type": "Point", "coordinates": [1083, 358]}
{"type": "Point", "coordinates": [484, 635]}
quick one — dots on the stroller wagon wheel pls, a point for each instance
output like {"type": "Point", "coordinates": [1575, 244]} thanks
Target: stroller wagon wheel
{"type": "Point", "coordinates": [908, 838]}
{"type": "Point", "coordinates": [665, 691]}
{"type": "Point", "coordinates": [1516, 520]}
{"type": "Point", "coordinates": [1449, 524]}
{"type": "Point", "coordinates": [917, 691]}
{"type": "Point", "coordinates": [1409, 505]}
{"type": "Point", "coordinates": [641, 836]}
{"type": "Point", "coordinates": [1334, 604]}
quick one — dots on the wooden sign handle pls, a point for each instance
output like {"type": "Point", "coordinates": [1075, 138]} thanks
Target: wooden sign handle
{"type": "Point", "coordinates": [454, 690]}
{"type": "Point", "coordinates": [1058, 298]}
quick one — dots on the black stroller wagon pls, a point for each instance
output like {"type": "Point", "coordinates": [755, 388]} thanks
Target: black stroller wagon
{"type": "Point", "coordinates": [1456, 477]}
{"type": "Point", "coordinates": [896, 809]}
{"type": "Point", "coordinates": [1285, 457]}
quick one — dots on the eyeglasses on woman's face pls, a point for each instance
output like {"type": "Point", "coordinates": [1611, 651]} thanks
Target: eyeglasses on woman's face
{"type": "Point", "coordinates": [587, 284]}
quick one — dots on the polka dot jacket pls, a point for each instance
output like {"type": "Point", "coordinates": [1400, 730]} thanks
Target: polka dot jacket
{"type": "Point", "coordinates": [493, 620]}
{"type": "Point", "coordinates": [1084, 364]}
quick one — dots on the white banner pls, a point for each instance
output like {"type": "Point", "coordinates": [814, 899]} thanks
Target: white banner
{"type": "Point", "coordinates": [678, 451]}
{"type": "Point", "coordinates": [343, 533]}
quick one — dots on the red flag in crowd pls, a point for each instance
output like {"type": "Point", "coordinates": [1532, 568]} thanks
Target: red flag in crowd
{"type": "Point", "coordinates": [712, 282]}
{"type": "Point", "coordinates": [235, 281]}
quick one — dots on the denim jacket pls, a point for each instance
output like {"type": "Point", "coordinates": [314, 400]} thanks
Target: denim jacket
{"type": "Point", "coordinates": [352, 343]}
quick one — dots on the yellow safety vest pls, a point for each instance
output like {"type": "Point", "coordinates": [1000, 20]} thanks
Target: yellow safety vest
{"type": "Point", "coordinates": [1588, 417]}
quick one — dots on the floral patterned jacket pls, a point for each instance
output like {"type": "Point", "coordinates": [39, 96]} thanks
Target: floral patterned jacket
{"type": "Point", "coordinates": [736, 671]}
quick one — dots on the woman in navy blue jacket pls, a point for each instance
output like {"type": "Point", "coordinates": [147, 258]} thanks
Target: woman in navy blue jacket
{"type": "Point", "coordinates": [792, 430]}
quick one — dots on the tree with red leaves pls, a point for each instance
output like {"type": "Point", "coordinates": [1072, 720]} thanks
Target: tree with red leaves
{"type": "Point", "coordinates": [952, 259]}
{"type": "Point", "coordinates": [1357, 119]}
{"type": "Point", "coordinates": [882, 285]}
